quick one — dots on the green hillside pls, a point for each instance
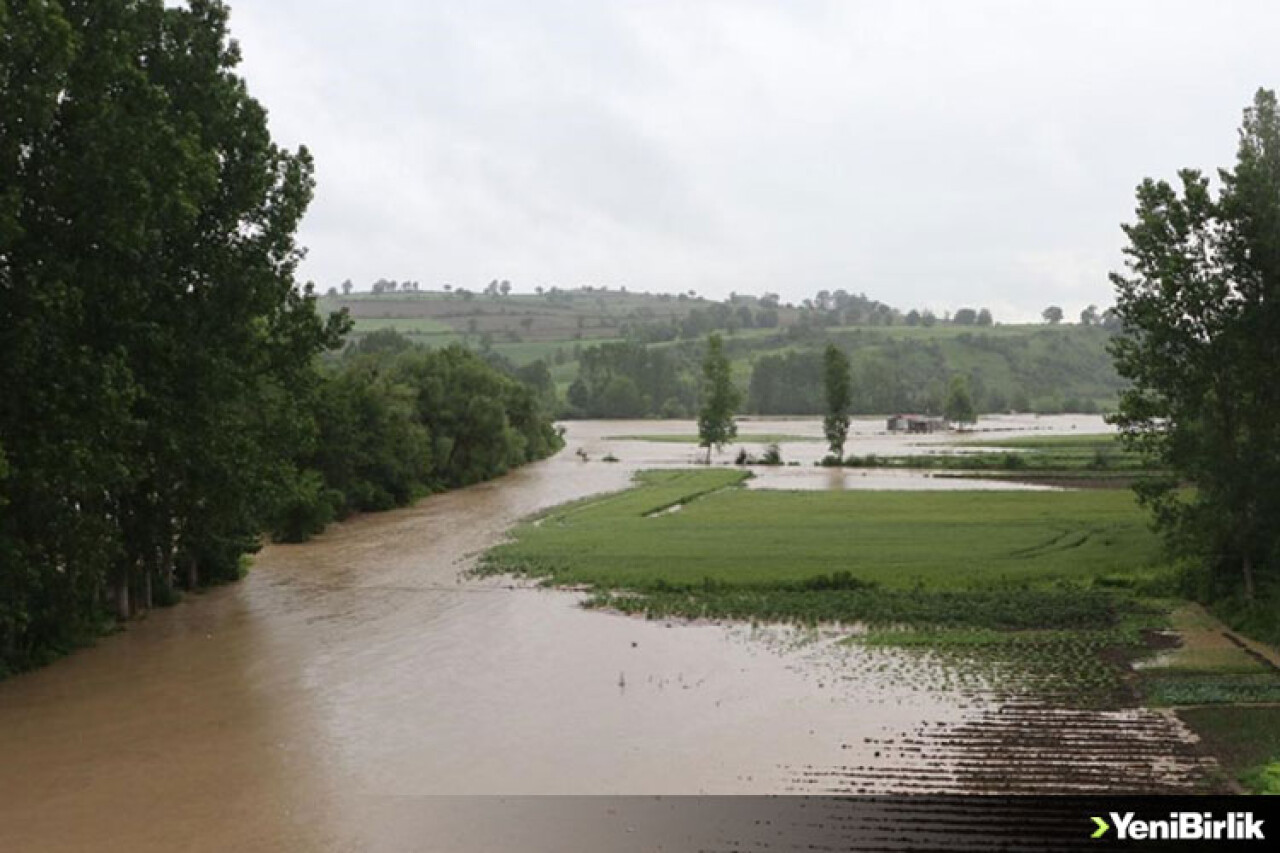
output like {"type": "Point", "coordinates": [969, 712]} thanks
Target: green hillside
{"type": "Point", "coordinates": [613, 353]}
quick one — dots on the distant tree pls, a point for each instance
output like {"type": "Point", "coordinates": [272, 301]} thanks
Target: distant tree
{"type": "Point", "coordinates": [721, 398]}
{"type": "Point", "coordinates": [448, 288]}
{"type": "Point", "coordinates": [837, 385]}
{"type": "Point", "coordinates": [928, 318]}
{"type": "Point", "coordinates": [333, 291]}
{"type": "Point", "coordinates": [1089, 316]}
{"type": "Point", "coordinates": [1052, 315]}
{"type": "Point", "coordinates": [965, 317]}
{"type": "Point", "coordinates": [505, 287]}
{"type": "Point", "coordinates": [769, 300]}
{"type": "Point", "coordinates": [984, 318]}
{"type": "Point", "coordinates": [959, 407]}
{"type": "Point", "coordinates": [346, 287]}
{"type": "Point", "coordinates": [538, 290]}
{"type": "Point", "coordinates": [913, 317]}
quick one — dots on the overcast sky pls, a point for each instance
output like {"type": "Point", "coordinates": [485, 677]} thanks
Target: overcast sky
{"type": "Point", "coordinates": [926, 153]}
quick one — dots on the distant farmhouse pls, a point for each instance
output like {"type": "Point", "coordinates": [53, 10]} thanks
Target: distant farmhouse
{"type": "Point", "coordinates": [917, 424]}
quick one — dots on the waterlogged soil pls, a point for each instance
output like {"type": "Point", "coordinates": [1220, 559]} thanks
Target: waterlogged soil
{"type": "Point", "coordinates": [867, 436]}
{"type": "Point", "coordinates": [308, 706]}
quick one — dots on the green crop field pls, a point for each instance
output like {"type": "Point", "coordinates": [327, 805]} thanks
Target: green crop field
{"type": "Point", "coordinates": [1246, 741]}
{"type": "Point", "coordinates": [405, 325]}
{"type": "Point", "coordinates": [898, 540]}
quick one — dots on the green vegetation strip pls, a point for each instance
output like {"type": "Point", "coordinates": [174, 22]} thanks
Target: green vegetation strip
{"type": "Point", "coordinates": [1096, 454]}
{"type": "Point", "coordinates": [1245, 740]}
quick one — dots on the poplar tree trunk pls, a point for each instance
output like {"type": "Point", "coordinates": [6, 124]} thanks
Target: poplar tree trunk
{"type": "Point", "coordinates": [166, 572]}
{"type": "Point", "coordinates": [122, 597]}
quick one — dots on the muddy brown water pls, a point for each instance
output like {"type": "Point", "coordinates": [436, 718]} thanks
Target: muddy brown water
{"type": "Point", "coordinates": [306, 707]}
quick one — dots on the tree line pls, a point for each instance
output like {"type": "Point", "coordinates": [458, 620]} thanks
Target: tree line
{"type": "Point", "coordinates": [1041, 371]}
{"type": "Point", "coordinates": [165, 401]}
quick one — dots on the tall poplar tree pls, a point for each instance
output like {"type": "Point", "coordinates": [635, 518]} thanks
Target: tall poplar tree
{"type": "Point", "coordinates": [720, 399]}
{"type": "Point", "coordinates": [155, 350]}
{"type": "Point", "coordinates": [839, 398]}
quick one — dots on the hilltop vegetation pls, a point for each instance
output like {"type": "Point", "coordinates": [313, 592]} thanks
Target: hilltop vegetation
{"type": "Point", "coordinates": [613, 353]}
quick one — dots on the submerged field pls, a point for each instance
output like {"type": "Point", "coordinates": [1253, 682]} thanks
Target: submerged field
{"type": "Point", "coordinates": [1044, 599]}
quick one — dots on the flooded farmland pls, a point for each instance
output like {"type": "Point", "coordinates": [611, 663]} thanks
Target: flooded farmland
{"type": "Point", "coordinates": [365, 667]}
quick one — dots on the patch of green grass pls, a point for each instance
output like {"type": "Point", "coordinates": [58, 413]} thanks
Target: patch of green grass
{"type": "Point", "coordinates": [1175, 689]}
{"type": "Point", "coordinates": [743, 438]}
{"type": "Point", "coordinates": [404, 325]}
{"type": "Point", "coordinates": [1245, 740]}
{"type": "Point", "coordinates": [1074, 442]}
{"type": "Point", "coordinates": [894, 540]}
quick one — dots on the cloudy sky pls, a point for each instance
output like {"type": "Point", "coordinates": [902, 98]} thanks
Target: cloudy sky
{"type": "Point", "coordinates": [926, 153]}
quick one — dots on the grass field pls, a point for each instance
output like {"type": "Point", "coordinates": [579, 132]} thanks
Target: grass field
{"type": "Point", "coordinates": [1245, 740]}
{"type": "Point", "coordinates": [891, 539]}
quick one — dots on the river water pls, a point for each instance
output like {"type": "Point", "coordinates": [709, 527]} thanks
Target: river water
{"type": "Point", "coordinates": [306, 707]}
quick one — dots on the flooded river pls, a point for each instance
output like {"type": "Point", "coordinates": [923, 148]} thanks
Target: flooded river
{"type": "Point", "coordinates": [305, 708]}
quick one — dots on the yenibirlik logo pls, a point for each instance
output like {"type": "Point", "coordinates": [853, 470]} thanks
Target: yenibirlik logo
{"type": "Point", "coordinates": [1183, 826]}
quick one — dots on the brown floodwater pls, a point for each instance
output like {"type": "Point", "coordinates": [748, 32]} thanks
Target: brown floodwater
{"type": "Point", "coordinates": [306, 707]}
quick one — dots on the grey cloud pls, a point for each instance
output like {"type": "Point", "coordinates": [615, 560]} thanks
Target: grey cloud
{"type": "Point", "coordinates": [929, 153]}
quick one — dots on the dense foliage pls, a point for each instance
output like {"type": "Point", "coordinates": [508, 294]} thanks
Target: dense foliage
{"type": "Point", "coordinates": [1200, 303]}
{"type": "Point", "coordinates": [1034, 369]}
{"type": "Point", "coordinates": [630, 380]}
{"type": "Point", "coordinates": [397, 424]}
{"type": "Point", "coordinates": [162, 404]}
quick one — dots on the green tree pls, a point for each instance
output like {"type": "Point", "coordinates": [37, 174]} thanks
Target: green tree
{"type": "Point", "coordinates": [720, 399]}
{"type": "Point", "coordinates": [959, 407]}
{"type": "Point", "coordinates": [155, 351]}
{"type": "Point", "coordinates": [839, 397]}
{"type": "Point", "coordinates": [1052, 315]}
{"type": "Point", "coordinates": [1199, 303]}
